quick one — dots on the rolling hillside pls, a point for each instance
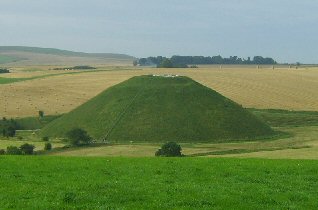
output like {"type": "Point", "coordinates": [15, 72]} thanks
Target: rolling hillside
{"type": "Point", "coordinates": [159, 109]}
{"type": "Point", "coordinates": [17, 55]}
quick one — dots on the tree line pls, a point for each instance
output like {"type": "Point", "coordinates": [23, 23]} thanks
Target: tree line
{"type": "Point", "coordinates": [76, 68]}
{"type": "Point", "coordinates": [8, 127]}
{"type": "Point", "coordinates": [183, 61]}
{"type": "Point", "coordinates": [3, 71]}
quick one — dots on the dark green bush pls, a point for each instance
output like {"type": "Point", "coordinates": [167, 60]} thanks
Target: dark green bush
{"type": "Point", "coordinates": [2, 152]}
{"type": "Point", "coordinates": [27, 149]}
{"type": "Point", "coordinates": [8, 127]}
{"type": "Point", "coordinates": [47, 146]}
{"type": "Point", "coordinates": [13, 150]}
{"type": "Point", "coordinates": [170, 149]}
{"type": "Point", "coordinates": [41, 114]}
{"type": "Point", "coordinates": [3, 71]}
{"type": "Point", "coordinates": [78, 136]}
{"type": "Point", "coordinates": [45, 138]}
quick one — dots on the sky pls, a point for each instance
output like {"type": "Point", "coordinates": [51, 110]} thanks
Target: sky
{"type": "Point", "coordinates": [286, 30]}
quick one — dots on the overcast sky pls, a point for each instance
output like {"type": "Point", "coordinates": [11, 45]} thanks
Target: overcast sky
{"type": "Point", "coordinates": [286, 30]}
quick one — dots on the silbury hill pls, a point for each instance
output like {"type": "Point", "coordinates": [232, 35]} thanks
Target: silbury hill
{"type": "Point", "coordinates": [160, 109]}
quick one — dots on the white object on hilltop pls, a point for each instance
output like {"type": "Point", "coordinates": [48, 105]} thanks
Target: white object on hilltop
{"type": "Point", "coordinates": [165, 75]}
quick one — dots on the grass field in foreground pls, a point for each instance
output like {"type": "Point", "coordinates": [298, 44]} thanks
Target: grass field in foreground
{"type": "Point", "coordinates": [157, 183]}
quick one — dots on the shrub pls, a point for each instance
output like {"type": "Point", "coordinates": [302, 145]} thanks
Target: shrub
{"type": "Point", "coordinates": [8, 127]}
{"type": "Point", "coordinates": [27, 149]}
{"type": "Point", "coordinates": [45, 138]}
{"type": "Point", "coordinates": [78, 136]}
{"type": "Point", "coordinates": [47, 146]}
{"type": "Point", "coordinates": [13, 150]}
{"type": "Point", "coordinates": [41, 114]}
{"type": "Point", "coordinates": [10, 131]}
{"type": "Point", "coordinates": [2, 152]}
{"type": "Point", "coordinates": [170, 149]}
{"type": "Point", "coordinates": [3, 71]}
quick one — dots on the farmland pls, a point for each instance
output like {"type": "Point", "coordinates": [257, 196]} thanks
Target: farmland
{"type": "Point", "coordinates": [298, 140]}
{"type": "Point", "coordinates": [215, 175]}
{"type": "Point", "coordinates": [132, 105]}
{"type": "Point", "coordinates": [263, 89]}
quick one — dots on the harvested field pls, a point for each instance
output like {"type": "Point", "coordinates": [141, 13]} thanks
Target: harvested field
{"type": "Point", "coordinates": [282, 88]}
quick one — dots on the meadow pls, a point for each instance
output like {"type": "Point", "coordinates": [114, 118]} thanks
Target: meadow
{"type": "Point", "coordinates": [41, 182]}
{"type": "Point", "coordinates": [297, 140]}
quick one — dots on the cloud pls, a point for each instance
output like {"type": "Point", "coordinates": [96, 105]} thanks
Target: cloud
{"type": "Point", "coordinates": [283, 29]}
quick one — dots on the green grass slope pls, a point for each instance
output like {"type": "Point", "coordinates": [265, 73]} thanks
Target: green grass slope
{"type": "Point", "coordinates": [160, 109]}
{"type": "Point", "coordinates": [157, 183]}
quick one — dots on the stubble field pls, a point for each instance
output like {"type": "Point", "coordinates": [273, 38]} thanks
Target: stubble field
{"type": "Point", "coordinates": [281, 88]}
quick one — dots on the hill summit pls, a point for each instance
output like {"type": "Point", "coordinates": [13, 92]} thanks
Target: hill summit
{"type": "Point", "coordinates": [156, 108]}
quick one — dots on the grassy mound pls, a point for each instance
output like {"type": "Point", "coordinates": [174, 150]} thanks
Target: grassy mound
{"type": "Point", "coordinates": [160, 109]}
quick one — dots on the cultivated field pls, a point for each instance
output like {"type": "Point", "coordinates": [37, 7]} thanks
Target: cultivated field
{"type": "Point", "coordinates": [57, 92]}
{"type": "Point", "coordinates": [281, 88]}
{"type": "Point", "coordinates": [236, 179]}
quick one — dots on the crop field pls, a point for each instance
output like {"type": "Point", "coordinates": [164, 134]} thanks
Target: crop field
{"type": "Point", "coordinates": [161, 183]}
{"type": "Point", "coordinates": [262, 88]}
{"type": "Point", "coordinates": [232, 175]}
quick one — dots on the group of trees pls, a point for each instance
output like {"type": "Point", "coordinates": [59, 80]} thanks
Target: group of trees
{"type": "Point", "coordinates": [24, 149]}
{"type": "Point", "coordinates": [183, 61]}
{"type": "Point", "coordinates": [3, 71]}
{"type": "Point", "coordinates": [8, 127]}
{"type": "Point", "coordinates": [76, 68]}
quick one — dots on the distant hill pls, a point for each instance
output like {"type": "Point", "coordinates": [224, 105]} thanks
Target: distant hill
{"type": "Point", "coordinates": [160, 109]}
{"type": "Point", "coordinates": [19, 55]}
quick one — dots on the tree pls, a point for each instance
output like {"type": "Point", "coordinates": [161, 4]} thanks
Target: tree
{"type": "Point", "coordinates": [3, 71]}
{"type": "Point", "coordinates": [41, 114]}
{"type": "Point", "coordinates": [166, 63]}
{"type": "Point", "coordinates": [9, 132]}
{"type": "Point", "coordinates": [27, 149]}
{"type": "Point", "coordinates": [135, 63]}
{"type": "Point", "coordinates": [47, 146]}
{"type": "Point", "coordinates": [170, 149]}
{"type": "Point", "coordinates": [2, 152]}
{"type": "Point", "coordinates": [78, 136]}
{"type": "Point", "coordinates": [13, 150]}
{"type": "Point", "coordinates": [45, 138]}
{"type": "Point", "coordinates": [8, 127]}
